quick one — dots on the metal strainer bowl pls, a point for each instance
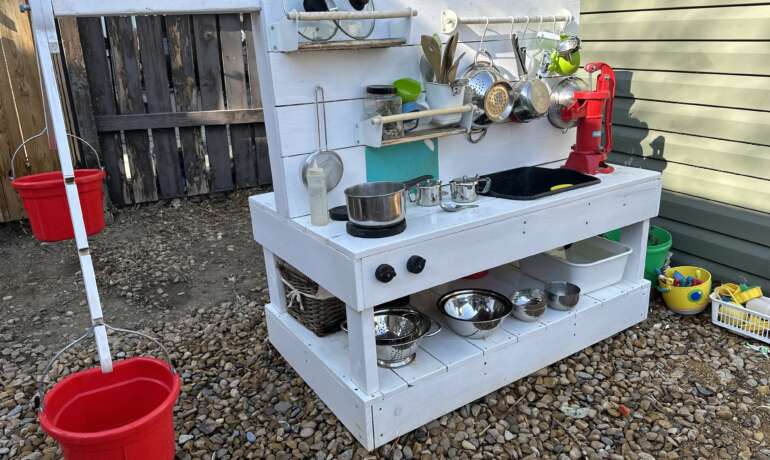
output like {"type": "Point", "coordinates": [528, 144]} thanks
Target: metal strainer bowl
{"type": "Point", "coordinates": [398, 333]}
{"type": "Point", "coordinates": [498, 102]}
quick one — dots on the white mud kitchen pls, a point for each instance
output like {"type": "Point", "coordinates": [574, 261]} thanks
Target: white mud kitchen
{"type": "Point", "coordinates": [440, 193]}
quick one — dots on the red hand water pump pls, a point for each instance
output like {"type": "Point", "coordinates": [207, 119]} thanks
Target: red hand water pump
{"type": "Point", "coordinates": [588, 154]}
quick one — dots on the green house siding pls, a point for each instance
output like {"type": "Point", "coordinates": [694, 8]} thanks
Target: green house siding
{"type": "Point", "coordinates": [693, 101]}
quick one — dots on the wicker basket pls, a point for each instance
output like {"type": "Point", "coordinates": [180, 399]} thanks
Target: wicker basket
{"type": "Point", "coordinates": [310, 304]}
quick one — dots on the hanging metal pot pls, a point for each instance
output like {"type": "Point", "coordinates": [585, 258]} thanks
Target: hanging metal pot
{"type": "Point", "coordinates": [563, 96]}
{"type": "Point", "coordinates": [532, 95]}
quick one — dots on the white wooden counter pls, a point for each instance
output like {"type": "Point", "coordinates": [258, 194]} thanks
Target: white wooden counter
{"type": "Point", "coordinates": [377, 404]}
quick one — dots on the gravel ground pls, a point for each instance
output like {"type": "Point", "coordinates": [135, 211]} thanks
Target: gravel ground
{"type": "Point", "coordinates": [188, 272]}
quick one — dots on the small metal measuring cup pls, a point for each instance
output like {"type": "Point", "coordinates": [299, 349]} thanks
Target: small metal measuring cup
{"type": "Point", "coordinates": [466, 189]}
{"type": "Point", "coordinates": [427, 193]}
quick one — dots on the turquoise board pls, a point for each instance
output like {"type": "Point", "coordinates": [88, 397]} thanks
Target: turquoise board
{"type": "Point", "coordinates": [402, 162]}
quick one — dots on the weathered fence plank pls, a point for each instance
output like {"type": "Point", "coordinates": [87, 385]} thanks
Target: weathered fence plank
{"type": "Point", "coordinates": [165, 152]}
{"type": "Point", "coordinates": [212, 98]}
{"type": "Point", "coordinates": [180, 44]}
{"type": "Point", "coordinates": [260, 135]}
{"type": "Point", "coordinates": [178, 119]}
{"type": "Point", "coordinates": [81, 103]}
{"type": "Point", "coordinates": [234, 69]}
{"type": "Point", "coordinates": [128, 93]}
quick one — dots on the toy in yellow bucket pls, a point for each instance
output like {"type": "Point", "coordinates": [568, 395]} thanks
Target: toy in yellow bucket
{"type": "Point", "coordinates": [685, 289]}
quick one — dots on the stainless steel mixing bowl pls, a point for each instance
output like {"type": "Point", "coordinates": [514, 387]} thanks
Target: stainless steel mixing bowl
{"type": "Point", "coordinates": [474, 313]}
{"type": "Point", "coordinates": [528, 304]}
{"type": "Point", "coordinates": [561, 295]}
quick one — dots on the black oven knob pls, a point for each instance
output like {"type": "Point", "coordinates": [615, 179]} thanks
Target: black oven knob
{"type": "Point", "coordinates": [415, 264]}
{"type": "Point", "coordinates": [385, 273]}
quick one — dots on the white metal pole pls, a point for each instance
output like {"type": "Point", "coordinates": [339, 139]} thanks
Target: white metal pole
{"type": "Point", "coordinates": [46, 43]}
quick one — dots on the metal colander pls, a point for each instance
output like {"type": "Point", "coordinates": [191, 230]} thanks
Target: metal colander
{"type": "Point", "coordinates": [482, 76]}
{"type": "Point", "coordinates": [498, 102]}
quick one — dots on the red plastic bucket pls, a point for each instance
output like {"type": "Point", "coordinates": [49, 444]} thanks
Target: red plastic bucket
{"type": "Point", "coordinates": [126, 414]}
{"type": "Point", "coordinates": [45, 201]}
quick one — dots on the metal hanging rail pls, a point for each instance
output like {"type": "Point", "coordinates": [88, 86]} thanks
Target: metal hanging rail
{"type": "Point", "coordinates": [450, 21]}
{"type": "Point", "coordinates": [342, 15]}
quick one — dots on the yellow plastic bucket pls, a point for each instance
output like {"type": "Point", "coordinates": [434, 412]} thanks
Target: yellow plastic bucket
{"type": "Point", "coordinates": [686, 300]}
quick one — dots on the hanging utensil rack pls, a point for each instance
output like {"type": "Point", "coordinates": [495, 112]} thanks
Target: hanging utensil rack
{"type": "Point", "coordinates": [283, 36]}
{"type": "Point", "coordinates": [370, 130]}
{"type": "Point", "coordinates": [450, 20]}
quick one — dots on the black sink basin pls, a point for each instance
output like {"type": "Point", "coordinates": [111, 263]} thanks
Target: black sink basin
{"type": "Point", "coordinates": [532, 182]}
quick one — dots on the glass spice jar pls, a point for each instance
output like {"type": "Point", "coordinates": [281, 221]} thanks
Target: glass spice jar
{"type": "Point", "coordinates": [384, 100]}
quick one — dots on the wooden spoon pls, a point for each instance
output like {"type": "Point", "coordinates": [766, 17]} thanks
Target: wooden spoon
{"type": "Point", "coordinates": [449, 56]}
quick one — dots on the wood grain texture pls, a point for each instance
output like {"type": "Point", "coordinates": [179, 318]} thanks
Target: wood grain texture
{"type": "Point", "coordinates": [237, 92]}
{"type": "Point", "coordinates": [734, 91]}
{"type": "Point", "coordinates": [749, 58]}
{"type": "Point", "coordinates": [165, 153]}
{"type": "Point", "coordinates": [186, 98]}
{"type": "Point", "coordinates": [77, 79]}
{"type": "Point", "coordinates": [745, 192]}
{"type": "Point", "coordinates": [732, 157]}
{"type": "Point", "coordinates": [128, 96]}
{"type": "Point", "coordinates": [212, 98]}
{"type": "Point", "coordinates": [178, 119]}
{"type": "Point", "coordinates": [729, 124]}
{"type": "Point", "coordinates": [721, 218]}
{"type": "Point", "coordinates": [260, 134]}
{"type": "Point", "coordinates": [732, 23]}
{"type": "Point", "coordinates": [103, 98]}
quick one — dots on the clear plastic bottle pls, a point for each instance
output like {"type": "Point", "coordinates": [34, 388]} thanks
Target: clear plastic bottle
{"type": "Point", "coordinates": [316, 188]}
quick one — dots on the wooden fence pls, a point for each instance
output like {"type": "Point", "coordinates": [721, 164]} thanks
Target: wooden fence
{"type": "Point", "coordinates": [21, 108]}
{"type": "Point", "coordinates": [170, 102]}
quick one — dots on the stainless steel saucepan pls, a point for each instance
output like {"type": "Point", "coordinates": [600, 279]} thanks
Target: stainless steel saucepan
{"type": "Point", "coordinates": [379, 204]}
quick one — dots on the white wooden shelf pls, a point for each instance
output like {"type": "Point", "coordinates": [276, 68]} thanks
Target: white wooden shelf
{"type": "Point", "coordinates": [370, 130]}
{"type": "Point", "coordinates": [283, 35]}
{"type": "Point", "coordinates": [471, 368]}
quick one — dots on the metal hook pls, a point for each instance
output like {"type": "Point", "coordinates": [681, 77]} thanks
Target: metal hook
{"type": "Point", "coordinates": [483, 36]}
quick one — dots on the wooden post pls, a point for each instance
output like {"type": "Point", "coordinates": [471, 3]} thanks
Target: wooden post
{"type": "Point", "coordinates": [361, 346]}
{"type": "Point", "coordinates": [635, 237]}
{"type": "Point", "coordinates": [274, 284]}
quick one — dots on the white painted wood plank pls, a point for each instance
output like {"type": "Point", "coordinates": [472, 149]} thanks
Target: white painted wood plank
{"type": "Point", "coordinates": [445, 346]}
{"type": "Point", "coordinates": [354, 163]}
{"type": "Point", "coordinates": [621, 5]}
{"type": "Point", "coordinates": [428, 17]}
{"type": "Point", "coordinates": [308, 253]}
{"type": "Point", "coordinates": [635, 237]}
{"type": "Point", "coordinates": [401, 412]}
{"type": "Point", "coordinates": [424, 366]}
{"type": "Point", "coordinates": [322, 372]}
{"type": "Point", "coordinates": [521, 236]}
{"type": "Point", "coordinates": [361, 348]}
{"type": "Point", "coordinates": [624, 182]}
{"type": "Point", "coordinates": [136, 7]}
{"type": "Point", "coordinates": [275, 286]}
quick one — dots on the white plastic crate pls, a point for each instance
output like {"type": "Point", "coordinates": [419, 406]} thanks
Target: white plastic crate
{"type": "Point", "coordinates": [591, 264]}
{"type": "Point", "coordinates": [738, 319]}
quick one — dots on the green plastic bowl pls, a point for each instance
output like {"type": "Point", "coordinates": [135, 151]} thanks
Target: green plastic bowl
{"type": "Point", "coordinates": [408, 88]}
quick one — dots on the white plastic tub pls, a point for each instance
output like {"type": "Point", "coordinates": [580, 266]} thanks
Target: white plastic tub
{"type": "Point", "coordinates": [738, 319]}
{"type": "Point", "coordinates": [591, 264]}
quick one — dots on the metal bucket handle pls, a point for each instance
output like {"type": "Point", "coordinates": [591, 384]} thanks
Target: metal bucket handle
{"type": "Point", "coordinates": [41, 385]}
{"type": "Point", "coordinates": [43, 131]}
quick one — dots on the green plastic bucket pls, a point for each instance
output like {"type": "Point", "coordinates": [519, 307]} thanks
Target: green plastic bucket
{"type": "Point", "coordinates": [658, 244]}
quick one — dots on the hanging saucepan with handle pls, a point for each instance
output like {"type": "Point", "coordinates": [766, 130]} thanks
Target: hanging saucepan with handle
{"type": "Point", "coordinates": [532, 94]}
{"type": "Point", "coordinates": [379, 204]}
